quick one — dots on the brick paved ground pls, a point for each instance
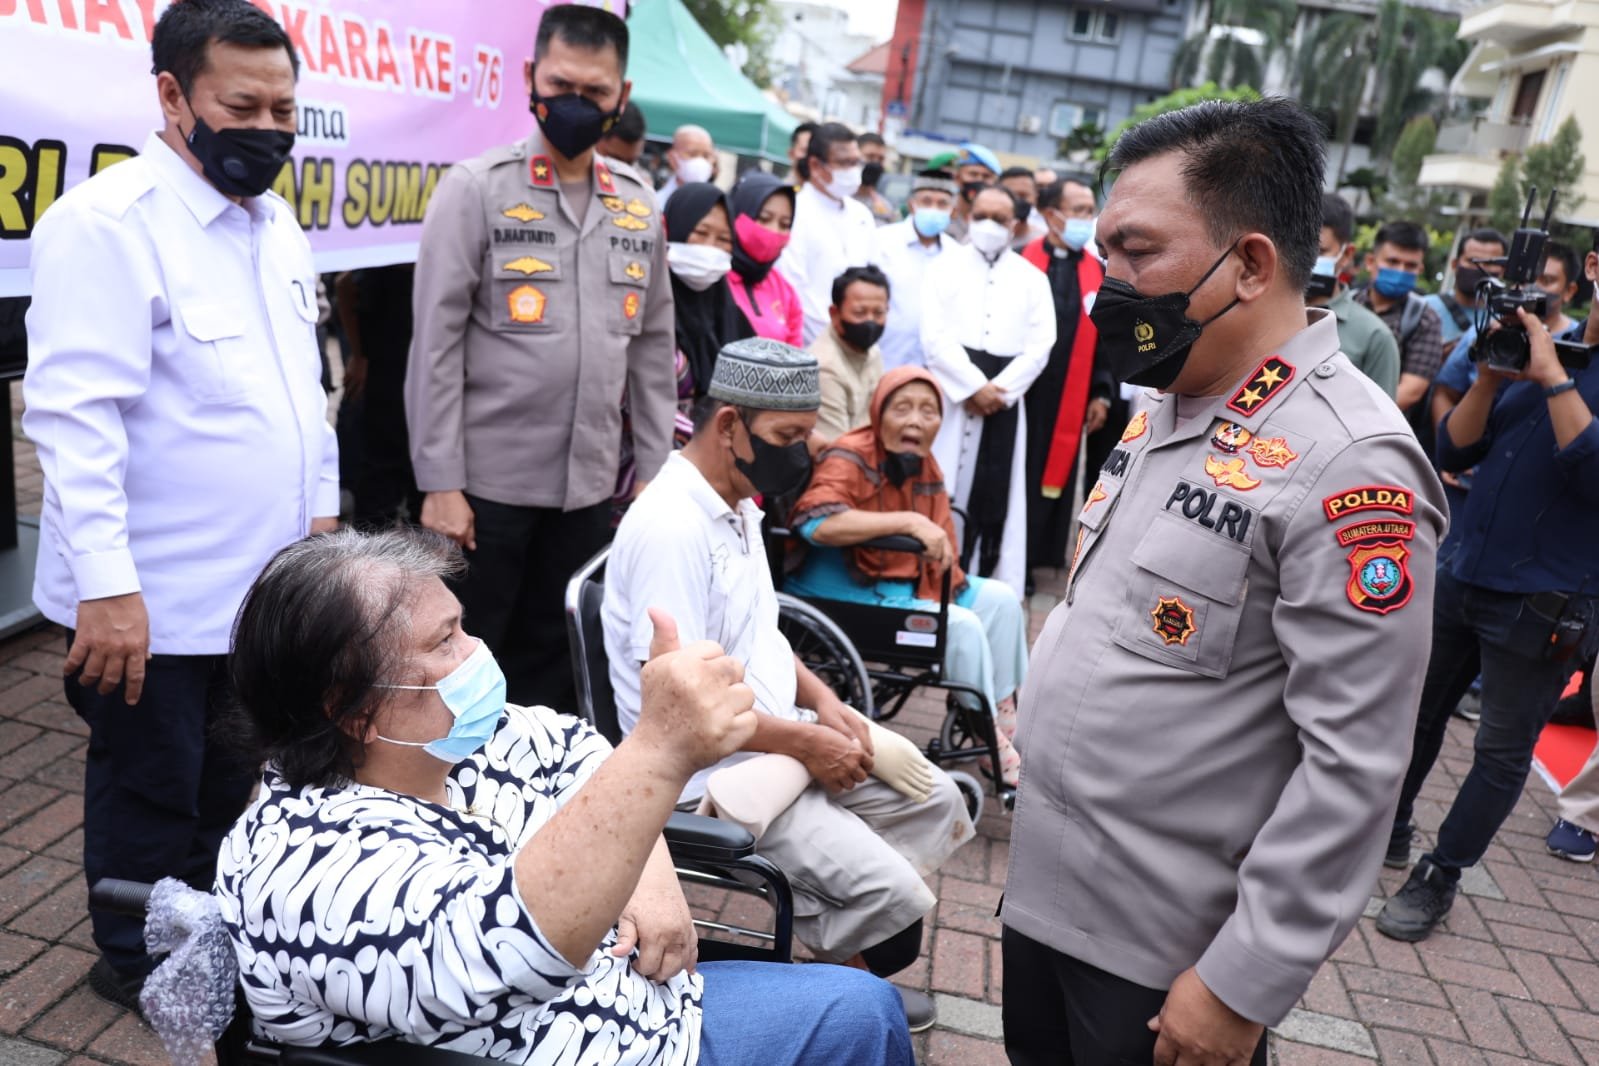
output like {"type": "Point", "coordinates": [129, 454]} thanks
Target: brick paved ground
{"type": "Point", "coordinates": [1514, 977]}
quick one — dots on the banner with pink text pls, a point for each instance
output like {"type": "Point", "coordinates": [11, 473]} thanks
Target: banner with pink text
{"type": "Point", "coordinates": [391, 92]}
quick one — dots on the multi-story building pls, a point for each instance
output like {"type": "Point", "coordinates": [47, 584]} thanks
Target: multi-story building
{"type": "Point", "coordinates": [1534, 61]}
{"type": "Point", "coordinates": [812, 56]}
{"type": "Point", "coordinates": [1020, 75]}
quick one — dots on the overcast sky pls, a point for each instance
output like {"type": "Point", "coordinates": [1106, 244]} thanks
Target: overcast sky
{"type": "Point", "coordinates": [874, 17]}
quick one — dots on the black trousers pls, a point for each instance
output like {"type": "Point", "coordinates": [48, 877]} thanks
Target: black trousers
{"type": "Point", "coordinates": [514, 592]}
{"type": "Point", "coordinates": [1060, 1011]}
{"type": "Point", "coordinates": [159, 792]}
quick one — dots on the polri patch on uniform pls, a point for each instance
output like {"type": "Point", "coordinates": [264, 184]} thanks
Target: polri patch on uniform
{"type": "Point", "coordinates": [1095, 494]}
{"type": "Point", "coordinates": [1376, 529]}
{"type": "Point", "coordinates": [1174, 620]}
{"type": "Point", "coordinates": [1267, 381]}
{"type": "Point", "coordinates": [528, 265]}
{"type": "Point", "coordinates": [628, 222]}
{"type": "Point", "coordinates": [1137, 427]}
{"type": "Point", "coordinates": [1229, 437]}
{"type": "Point", "coordinates": [1368, 498]}
{"type": "Point", "coordinates": [1229, 473]}
{"type": "Point", "coordinates": [630, 306]}
{"type": "Point", "coordinates": [523, 212]}
{"type": "Point", "coordinates": [613, 204]}
{"type": "Point", "coordinates": [541, 171]}
{"type": "Point", "coordinates": [603, 179]}
{"type": "Point", "coordinates": [526, 304]}
{"type": "Point", "coordinates": [638, 208]}
{"type": "Point", "coordinates": [1272, 451]}
{"type": "Point", "coordinates": [1379, 576]}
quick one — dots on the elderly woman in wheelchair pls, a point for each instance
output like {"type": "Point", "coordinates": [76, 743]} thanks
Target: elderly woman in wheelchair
{"type": "Point", "coordinates": [880, 480]}
{"type": "Point", "coordinates": [428, 863]}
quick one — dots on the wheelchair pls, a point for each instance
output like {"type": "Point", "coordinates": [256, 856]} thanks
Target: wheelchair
{"type": "Point", "coordinates": [905, 649]}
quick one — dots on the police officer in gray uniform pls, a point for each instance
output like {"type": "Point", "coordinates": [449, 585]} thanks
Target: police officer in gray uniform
{"type": "Point", "coordinates": [1217, 717]}
{"type": "Point", "coordinates": [541, 294]}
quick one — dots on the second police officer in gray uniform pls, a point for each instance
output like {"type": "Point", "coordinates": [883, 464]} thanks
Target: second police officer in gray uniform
{"type": "Point", "coordinates": [541, 292]}
{"type": "Point", "coordinates": [1218, 716]}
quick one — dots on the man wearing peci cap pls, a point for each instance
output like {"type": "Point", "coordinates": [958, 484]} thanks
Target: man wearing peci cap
{"type": "Point", "coordinates": [904, 249]}
{"type": "Point", "coordinates": [852, 813]}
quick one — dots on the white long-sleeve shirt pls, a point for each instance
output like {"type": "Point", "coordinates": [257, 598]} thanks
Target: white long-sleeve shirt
{"type": "Point", "coordinates": [828, 238]}
{"type": "Point", "coordinates": [1004, 308]}
{"type": "Point", "coordinates": [904, 258]}
{"type": "Point", "coordinates": [174, 394]}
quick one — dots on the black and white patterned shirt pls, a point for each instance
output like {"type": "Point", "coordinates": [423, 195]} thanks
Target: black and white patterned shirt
{"type": "Point", "coordinates": [359, 914]}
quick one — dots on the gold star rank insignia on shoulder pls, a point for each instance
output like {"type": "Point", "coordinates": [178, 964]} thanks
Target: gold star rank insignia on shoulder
{"type": "Point", "coordinates": [541, 171]}
{"type": "Point", "coordinates": [628, 222]}
{"type": "Point", "coordinates": [523, 212]}
{"type": "Point", "coordinates": [602, 177]}
{"type": "Point", "coordinates": [1267, 380]}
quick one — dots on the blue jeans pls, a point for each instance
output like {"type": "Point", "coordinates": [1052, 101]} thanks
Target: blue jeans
{"type": "Point", "coordinates": [1476, 629]}
{"type": "Point", "coordinates": [801, 1015]}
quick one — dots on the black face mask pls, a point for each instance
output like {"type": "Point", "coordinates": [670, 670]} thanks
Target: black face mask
{"type": "Point", "coordinates": [239, 162]}
{"type": "Point", "coordinates": [1467, 279]}
{"type": "Point", "coordinates": [776, 470]}
{"type": "Point", "coordinates": [860, 335]}
{"type": "Point", "coordinates": [1145, 340]}
{"type": "Point", "coordinates": [871, 174]}
{"type": "Point", "coordinates": [571, 123]}
{"type": "Point", "coordinates": [970, 189]}
{"type": "Point", "coordinates": [901, 467]}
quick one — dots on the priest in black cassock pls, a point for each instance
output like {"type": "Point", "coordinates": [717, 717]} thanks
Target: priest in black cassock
{"type": "Point", "coordinates": [1071, 398]}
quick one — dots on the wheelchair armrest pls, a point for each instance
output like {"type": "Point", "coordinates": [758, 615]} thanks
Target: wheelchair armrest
{"type": "Point", "coordinates": [122, 897]}
{"type": "Point", "coordinates": [895, 542]}
{"type": "Point", "coordinates": [695, 838]}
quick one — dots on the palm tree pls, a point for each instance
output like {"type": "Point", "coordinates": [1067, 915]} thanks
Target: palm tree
{"type": "Point", "coordinates": [1228, 58]}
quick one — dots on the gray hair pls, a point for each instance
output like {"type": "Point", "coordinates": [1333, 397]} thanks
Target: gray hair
{"type": "Point", "coordinates": [320, 629]}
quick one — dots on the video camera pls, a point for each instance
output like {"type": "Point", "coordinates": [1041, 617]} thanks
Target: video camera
{"type": "Point", "coordinates": [1508, 348]}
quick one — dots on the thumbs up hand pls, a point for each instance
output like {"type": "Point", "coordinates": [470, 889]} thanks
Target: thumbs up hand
{"type": "Point", "coordinates": [694, 706]}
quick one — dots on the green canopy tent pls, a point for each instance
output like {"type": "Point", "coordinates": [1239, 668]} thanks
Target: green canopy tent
{"type": "Point", "coordinates": [681, 76]}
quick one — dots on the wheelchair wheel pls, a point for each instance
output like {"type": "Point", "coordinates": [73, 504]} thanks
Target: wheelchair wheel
{"type": "Point", "coordinates": [822, 646]}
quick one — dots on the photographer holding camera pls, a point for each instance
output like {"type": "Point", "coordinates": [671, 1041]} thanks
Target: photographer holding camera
{"type": "Point", "coordinates": [1516, 600]}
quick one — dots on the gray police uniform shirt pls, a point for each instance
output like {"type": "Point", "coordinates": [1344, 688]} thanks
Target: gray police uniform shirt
{"type": "Point", "coordinates": [529, 322]}
{"type": "Point", "coordinates": [1219, 715]}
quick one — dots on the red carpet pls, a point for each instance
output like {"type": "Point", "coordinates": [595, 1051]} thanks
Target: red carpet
{"type": "Point", "coordinates": [1561, 752]}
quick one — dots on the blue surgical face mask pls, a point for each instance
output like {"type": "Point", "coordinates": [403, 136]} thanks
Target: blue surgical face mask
{"type": "Point", "coordinates": [1077, 232]}
{"type": "Point", "coordinates": [1393, 283]}
{"type": "Point", "coordinates": [930, 221]}
{"type": "Point", "coordinates": [474, 692]}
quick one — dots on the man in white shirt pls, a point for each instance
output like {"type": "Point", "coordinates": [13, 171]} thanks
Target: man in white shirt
{"type": "Point", "coordinates": [832, 231]}
{"type": "Point", "coordinates": [174, 396]}
{"type": "Point", "coordinates": [904, 249]}
{"type": "Point", "coordinates": [988, 324]}
{"type": "Point", "coordinates": [868, 817]}
{"type": "Point", "coordinates": [692, 158]}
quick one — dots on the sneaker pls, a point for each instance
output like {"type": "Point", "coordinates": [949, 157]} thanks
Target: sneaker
{"type": "Point", "coordinates": [1570, 842]}
{"type": "Point", "coordinates": [1415, 910]}
{"type": "Point", "coordinates": [1397, 857]}
{"type": "Point", "coordinates": [921, 1013]}
{"type": "Point", "coordinates": [1469, 707]}
{"type": "Point", "coordinates": [115, 988]}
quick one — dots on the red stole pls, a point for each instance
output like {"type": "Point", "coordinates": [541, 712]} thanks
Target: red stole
{"type": "Point", "coordinates": [1079, 372]}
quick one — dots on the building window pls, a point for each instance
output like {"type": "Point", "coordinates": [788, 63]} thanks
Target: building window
{"type": "Point", "coordinates": [1088, 24]}
{"type": "Point", "coordinates": [1064, 118]}
{"type": "Point", "coordinates": [1551, 103]}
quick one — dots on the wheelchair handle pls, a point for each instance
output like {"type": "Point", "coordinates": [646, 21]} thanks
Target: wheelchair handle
{"type": "Point", "coordinates": [123, 897]}
{"type": "Point", "coordinates": [895, 542]}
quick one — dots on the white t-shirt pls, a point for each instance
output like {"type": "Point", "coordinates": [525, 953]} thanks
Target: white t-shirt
{"type": "Point", "coordinates": [683, 549]}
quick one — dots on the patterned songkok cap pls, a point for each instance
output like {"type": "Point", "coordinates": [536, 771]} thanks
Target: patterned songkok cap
{"type": "Point", "coordinates": [766, 375]}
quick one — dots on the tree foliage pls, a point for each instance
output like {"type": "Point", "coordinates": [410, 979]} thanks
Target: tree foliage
{"type": "Point", "coordinates": [1505, 198]}
{"type": "Point", "coordinates": [1415, 143]}
{"type": "Point", "coordinates": [1227, 58]}
{"type": "Point", "coordinates": [1172, 102]}
{"type": "Point", "coordinates": [1557, 164]}
{"type": "Point", "coordinates": [749, 25]}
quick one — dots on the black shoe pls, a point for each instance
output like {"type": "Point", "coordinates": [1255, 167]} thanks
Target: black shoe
{"type": "Point", "coordinates": [920, 1010]}
{"type": "Point", "coordinates": [115, 988]}
{"type": "Point", "coordinates": [1412, 913]}
{"type": "Point", "coordinates": [1397, 857]}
